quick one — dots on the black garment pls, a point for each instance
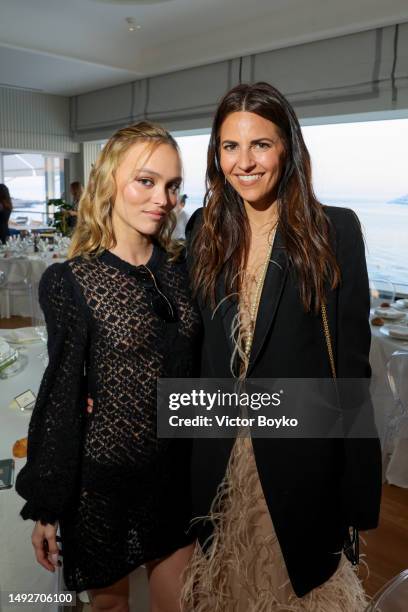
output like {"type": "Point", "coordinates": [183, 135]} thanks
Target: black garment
{"type": "Point", "coordinates": [4, 219]}
{"type": "Point", "coordinates": [314, 488]}
{"type": "Point", "coordinates": [71, 220]}
{"type": "Point", "coordinates": [122, 495]}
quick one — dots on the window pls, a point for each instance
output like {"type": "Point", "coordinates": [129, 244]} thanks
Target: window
{"type": "Point", "coordinates": [363, 166]}
{"type": "Point", "coordinates": [356, 165]}
{"type": "Point", "coordinates": [194, 154]}
{"type": "Point", "coordinates": [32, 179]}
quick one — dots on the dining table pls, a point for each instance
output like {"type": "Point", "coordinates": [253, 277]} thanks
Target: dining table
{"type": "Point", "coordinates": [383, 345]}
{"type": "Point", "coordinates": [19, 571]}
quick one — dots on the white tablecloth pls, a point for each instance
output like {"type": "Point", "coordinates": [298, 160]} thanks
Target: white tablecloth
{"type": "Point", "coordinates": [18, 569]}
{"type": "Point", "coordinates": [382, 347]}
{"type": "Point", "coordinates": [18, 270]}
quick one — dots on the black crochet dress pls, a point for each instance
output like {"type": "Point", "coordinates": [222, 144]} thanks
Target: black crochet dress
{"type": "Point", "coordinates": [121, 495]}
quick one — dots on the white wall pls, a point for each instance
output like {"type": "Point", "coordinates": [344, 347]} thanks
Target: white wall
{"type": "Point", "coordinates": [31, 121]}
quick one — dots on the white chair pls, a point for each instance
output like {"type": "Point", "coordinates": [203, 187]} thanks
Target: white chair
{"type": "Point", "coordinates": [381, 290]}
{"type": "Point", "coordinates": [4, 297]}
{"type": "Point", "coordinates": [396, 437]}
{"type": "Point", "coordinates": [37, 315]}
{"type": "Point", "coordinates": [393, 597]}
{"type": "Point", "coordinates": [402, 290]}
{"type": "Point", "coordinates": [17, 299]}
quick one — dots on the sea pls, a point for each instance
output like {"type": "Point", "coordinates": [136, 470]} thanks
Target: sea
{"type": "Point", "coordinates": [385, 228]}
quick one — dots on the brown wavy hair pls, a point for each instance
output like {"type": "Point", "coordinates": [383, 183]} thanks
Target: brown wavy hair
{"type": "Point", "coordinates": [76, 190]}
{"type": "Point", "coordinates": [5, 198]}
{"type": "Point", "coordinates": [221, 244]}
{"type": "Point", "coordinates": [94, 230]}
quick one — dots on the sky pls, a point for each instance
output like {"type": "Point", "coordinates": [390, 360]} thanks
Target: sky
{"type": "Point", "coordinates": [361, 160]}
{"type": "Point", "coordinates": [367, 160]}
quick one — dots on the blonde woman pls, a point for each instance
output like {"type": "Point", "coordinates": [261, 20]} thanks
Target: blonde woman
{"type": "Point", "coordinates": [119, 316]}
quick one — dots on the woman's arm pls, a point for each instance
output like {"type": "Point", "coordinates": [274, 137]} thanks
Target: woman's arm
{"type": "Point", "coordinates": [49, 479]}
{"type": "Point", "coordinates": [362, 460]}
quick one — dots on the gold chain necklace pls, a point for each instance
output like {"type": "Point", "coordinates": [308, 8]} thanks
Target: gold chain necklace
{"type": "Point", "coordinates": [253, 307]}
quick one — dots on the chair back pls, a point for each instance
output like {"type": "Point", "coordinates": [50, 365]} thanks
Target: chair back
{"type": "Point", "coordinates": [37, 315]}
{"type": "Point", "coordinates": [381, 290]}
{"type": "Point", "coordinates": [17, 271]}
{"type": "Point", "coordinates": [397, 373]}
{"type": "Point", "coordinates": [393, 597]}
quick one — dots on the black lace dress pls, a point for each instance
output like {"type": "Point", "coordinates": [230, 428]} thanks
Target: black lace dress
{"type": "Point", "coordinates": [121, 495]}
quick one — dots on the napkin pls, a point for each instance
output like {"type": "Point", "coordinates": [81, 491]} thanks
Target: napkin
{"type": "Point", "coordinates": [388, 313]}
{"type": "Point", "coordinates": [23, 335]}
{"type": "Point", "coordinates": [398, 331]}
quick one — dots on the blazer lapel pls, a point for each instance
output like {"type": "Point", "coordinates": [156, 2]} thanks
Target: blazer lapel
{"type": "Point", "coordinates": [270, 296]}
{"type": "Point", "coordinates": [226, 308]}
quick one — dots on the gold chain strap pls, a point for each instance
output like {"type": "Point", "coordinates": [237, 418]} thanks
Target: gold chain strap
{"type": "Point", "coordinates": [351, 543]}
{"type": "Point", "coordinates": [328, 339]}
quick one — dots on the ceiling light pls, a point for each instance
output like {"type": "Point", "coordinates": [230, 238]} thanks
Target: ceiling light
{"type": "Point", "coordinates": [138, 2]}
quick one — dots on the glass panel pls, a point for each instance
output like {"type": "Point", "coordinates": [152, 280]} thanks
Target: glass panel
{"type": "Point", "coordinates": [360, 165]}
{"type": "Point", "coordinates": [24, 175]}
{"type": "Point", "coordinates": [32, 179]}
{"type": "Point", "coordinates": [194, 155]}
{"type": "Point", "coordinates": [363, 166]}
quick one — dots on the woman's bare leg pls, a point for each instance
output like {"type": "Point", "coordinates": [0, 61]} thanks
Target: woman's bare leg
{"type": "Point", "coordinates": [165, 580]}
{"type": "Point", "coordinates": [114, 598]}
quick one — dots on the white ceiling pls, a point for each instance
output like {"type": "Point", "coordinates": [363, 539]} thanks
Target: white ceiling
{"type": "Point", "coordinates": [68, 47]}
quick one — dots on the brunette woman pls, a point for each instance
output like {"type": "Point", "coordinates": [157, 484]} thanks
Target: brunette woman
{"type": "Point", "coordinates": [119, 315]}
{"type": "Point", "coordinates": [6, 207]}
{"type": "Point", "coordinates": [76, 190]}
{"type": "Point", "coordinates": [271, 266]}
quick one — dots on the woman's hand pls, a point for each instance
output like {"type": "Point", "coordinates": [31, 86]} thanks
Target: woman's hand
{"type": "Point", "coordinates": [45, 545]}
{"type": "Point", "coordinates": [89, 406]}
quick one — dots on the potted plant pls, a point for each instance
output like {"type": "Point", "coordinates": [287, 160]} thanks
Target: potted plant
{"type": "Point", "coordinates": [60, 218]}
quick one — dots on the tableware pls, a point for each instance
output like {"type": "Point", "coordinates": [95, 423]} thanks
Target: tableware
{"type": "Point", "coordinates": [25, 335]}
{"type": "Point", "coordinates": [7, 355]}
{"type": "Point", "coordinates": [8, 360]}
{"type": "Point", "coordinates": [41, 332]}
{"type": "Point", "coordinates": [398, 332]}
{"type": "Point", "coordinates": [401, 304]}
{"type": "Point", "coordinates": [389, 313]}
{"type": "Point", "coordinates": [15, 367]}
{"type": "Point", "coordinates": [6, 473]}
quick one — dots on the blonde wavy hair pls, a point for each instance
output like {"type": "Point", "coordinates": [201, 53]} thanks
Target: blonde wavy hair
{"type": "Point", "coordinates": [94, 230]}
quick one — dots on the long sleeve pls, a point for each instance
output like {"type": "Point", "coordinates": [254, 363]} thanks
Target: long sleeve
{"type": "Point", "coordinates": [362, 456]}
{"type": "Point", "coordinates": [49, 479]}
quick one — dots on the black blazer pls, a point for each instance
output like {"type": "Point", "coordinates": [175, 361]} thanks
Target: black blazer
{"type": "Point", "coordinates": [314, 488]}
{"type": "Point", "coordinates": [4, 219]}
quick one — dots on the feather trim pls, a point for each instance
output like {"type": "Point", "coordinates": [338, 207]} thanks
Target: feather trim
{"type": "Point", "coordinates": [243, 569]}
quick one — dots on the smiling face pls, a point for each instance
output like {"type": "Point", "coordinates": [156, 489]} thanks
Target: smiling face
{"type": "Point", "coordinates": [252, 157]}
{"type": "Point", "coordinates": [147, 185]}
